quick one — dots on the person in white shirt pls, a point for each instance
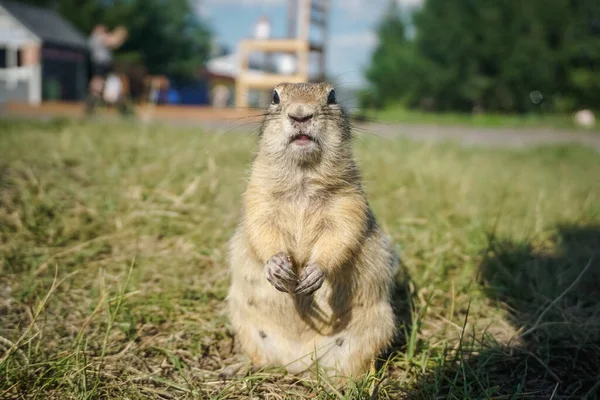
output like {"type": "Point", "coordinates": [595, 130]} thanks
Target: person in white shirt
{"type": "Point", "coordinates": [101, 43]}
{"type": "Point", "coordinates": [262, 31]}
{"type": "Point", "coordinates": [263, 28]}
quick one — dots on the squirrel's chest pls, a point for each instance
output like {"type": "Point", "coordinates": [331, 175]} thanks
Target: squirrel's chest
{"type": "Point", "coordinates": [300, 223]}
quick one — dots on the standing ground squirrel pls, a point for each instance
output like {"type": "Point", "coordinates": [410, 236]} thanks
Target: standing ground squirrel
{"type": "Point", "coordinates": [312, 273]}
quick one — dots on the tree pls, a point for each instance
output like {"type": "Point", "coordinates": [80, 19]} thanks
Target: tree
{"type": "Point", "coordinates": [488, 53]}
{"type": "Point", "coordinates": [391, 55]}
{"type": "Point", "coordinates": [165, 34]}
{"type": "Point", "coordinates": [496, 54]}
{"type": "Point", "coordinates": [581, 58]}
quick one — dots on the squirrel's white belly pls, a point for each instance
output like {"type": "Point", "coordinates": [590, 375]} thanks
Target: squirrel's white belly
{"type": "Point", "coordinates": [291, 339]}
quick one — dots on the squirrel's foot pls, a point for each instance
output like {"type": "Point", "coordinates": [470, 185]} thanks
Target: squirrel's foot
{"type": "Point", "coordinates": [235, 370]}
{"type": "Point", "coordinates": [278, 270]}
{"type": "Point", "coordinates": [311, 280]}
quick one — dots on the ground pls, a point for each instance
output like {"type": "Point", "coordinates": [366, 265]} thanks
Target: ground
{"type": "Point", "coordinates": [113, 268]}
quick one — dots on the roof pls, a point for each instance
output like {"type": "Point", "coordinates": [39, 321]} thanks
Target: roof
{"type": "Point", "coordinates": [46, 24]}
{"type": "Point", "coordinates": [224, 65]}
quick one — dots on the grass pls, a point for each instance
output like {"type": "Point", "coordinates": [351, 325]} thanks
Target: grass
{"type": "Point", "coordinates": [113, 268]}
{"type": "Point", "coordinates": [489, 120]}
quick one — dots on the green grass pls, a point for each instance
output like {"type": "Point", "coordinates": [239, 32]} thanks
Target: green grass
{"type": "Point", "coordinates": [489, 120]}
{"type": "Point", "coordinates": [113, 267]}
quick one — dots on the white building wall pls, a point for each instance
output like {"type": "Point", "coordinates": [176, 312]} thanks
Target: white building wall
{"type": "Point", "coordinates": [18, 83]}
{"type": "Point", "coordinates": [18, 93]}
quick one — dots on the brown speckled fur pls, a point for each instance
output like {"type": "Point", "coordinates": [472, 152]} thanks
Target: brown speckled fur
{"type": "Point", "coordinates": [310, 205]}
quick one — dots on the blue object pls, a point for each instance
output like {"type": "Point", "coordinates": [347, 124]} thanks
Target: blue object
{"type": "Point", "coordinates": [191, 93]}
{"type": "Point", "coordinates": [173, 97]}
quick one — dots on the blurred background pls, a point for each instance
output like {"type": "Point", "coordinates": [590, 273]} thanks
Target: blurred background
{"type": "Point", "coordinates": [422, 56]}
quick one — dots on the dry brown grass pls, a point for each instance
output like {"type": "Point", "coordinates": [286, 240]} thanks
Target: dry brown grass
{"type": "Point", "coordinates": [113, 268]}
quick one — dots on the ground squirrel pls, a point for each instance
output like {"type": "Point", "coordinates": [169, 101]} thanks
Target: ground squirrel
{"type": "Point", "coordinates": [312, 273]}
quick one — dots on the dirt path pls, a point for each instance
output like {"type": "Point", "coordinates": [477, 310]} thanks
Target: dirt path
{"type": "Point", "coordinates": [243, 121]}
{"type": "Point", "coordinates": [490, 137]}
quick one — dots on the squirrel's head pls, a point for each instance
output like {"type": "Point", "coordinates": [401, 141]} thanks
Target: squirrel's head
{"type": "Point", "coordinates": [304, 123]}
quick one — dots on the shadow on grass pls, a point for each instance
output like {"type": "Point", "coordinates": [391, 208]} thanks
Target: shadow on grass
{"type": "Point", "coordinates": [402, 303]}
{"type": "Point", "coordinates": [551, 294]}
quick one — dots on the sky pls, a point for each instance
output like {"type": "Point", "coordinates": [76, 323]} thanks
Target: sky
{"type": "Point", "coordinates": [351, 29]}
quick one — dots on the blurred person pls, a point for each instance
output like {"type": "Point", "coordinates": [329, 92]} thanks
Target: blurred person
{"type": "Point", "coordinates": [221, 96]}
{"type": "Point", "coordinates": [101, 43]}
{"type": "Point", "coordinates": [262, 30]}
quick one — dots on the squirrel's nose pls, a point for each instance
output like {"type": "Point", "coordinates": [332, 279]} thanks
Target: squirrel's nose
{"type": "Point", "coordinates": [300, 114]}
{"type": "Point", "coordinates": [300, 117]}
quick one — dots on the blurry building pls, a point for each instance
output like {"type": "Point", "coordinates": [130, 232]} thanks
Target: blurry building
{"type": "Point", "coordinates": [224, 70]}
{"type": "Point", "coordinates": [42, 56]}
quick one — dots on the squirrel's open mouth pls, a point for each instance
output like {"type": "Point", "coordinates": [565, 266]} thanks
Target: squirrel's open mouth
{"type": "Point", "coordinates": [302, 138]}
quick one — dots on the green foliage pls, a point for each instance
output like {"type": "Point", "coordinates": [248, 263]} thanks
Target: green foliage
{"type": "Point", "coordinates": [168, 36]}
{"type": "Point", "coordinates": [392, 50]}
{"type": "Point", "coordinates": [490, 54]}
{"type": "Point", "coordinates": [165, 36]}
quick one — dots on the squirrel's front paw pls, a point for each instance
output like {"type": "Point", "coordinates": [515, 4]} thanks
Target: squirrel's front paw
{"type": "Point", "coordinates": [280, 274]}
{"type": "Point", "coordinates": [311, 280]}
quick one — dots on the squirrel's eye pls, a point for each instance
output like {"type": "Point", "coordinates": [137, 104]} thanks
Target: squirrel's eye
{"type": "Point", "coordinates": [275, 97]}
{"type": "Point", "coordinates": [331, 97]}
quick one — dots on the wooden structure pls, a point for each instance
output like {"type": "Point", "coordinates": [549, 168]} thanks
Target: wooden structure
{"type": "Point", "coordinates": [304, 18]}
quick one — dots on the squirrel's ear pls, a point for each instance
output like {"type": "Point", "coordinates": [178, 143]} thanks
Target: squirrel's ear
{"type": "Point", "coordinates": [276, 99]}
{"type": "Point", "coordinates": [331, 97]}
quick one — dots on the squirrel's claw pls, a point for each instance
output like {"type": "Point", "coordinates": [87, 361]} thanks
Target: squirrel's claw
{"type": "Point", "coordinates": [278, 270]}
{"type": "Point", "coordinates": [311, 280]}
